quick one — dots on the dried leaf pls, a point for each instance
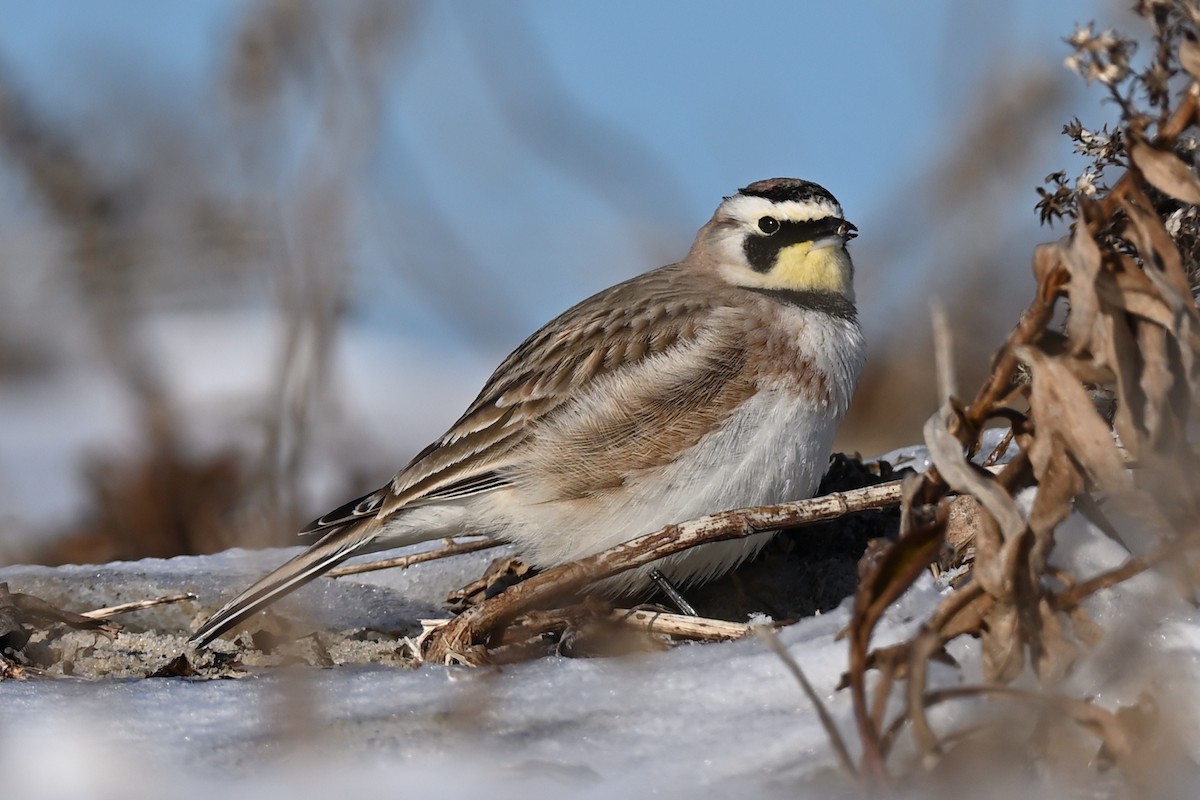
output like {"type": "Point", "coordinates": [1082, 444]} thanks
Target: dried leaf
{"type": "Point", "coordinates": [899, 565]}
{"type": "Point", "coordinates": [962, 528]}
{"type": "Point", "coordinates": [1083, 261]}
{"type": "Point", "coordinates": [989, 571]}
{"type": "Point", "coordinates": [178, 667]}
{"type": "Point", "coordinates": [1189, 57]}
{"type": "Point", "coordinates": [1053, 653]}
{"type": "Point", "coordinates": [1157, 248]}
{"type": "Point", "coordinates": [1157, 381]}
{"type": "Point", "coordinates": [1047, 260]}
{"type": "Point", "coordinates": [946, 453]}
{"type": "Point", "coordinates": [1003, 654]}
{"type": "Point", "coordinates": [1165, 272]}
{"type": "Point", "coordinates": [1126, 363]}
{"type": "Point", "coordinates": [1086, 629]}
{"type": "Point", "coordinates": [1061, 404]}
{"type": "Point", "coordinates": [1185, 330]}
{"type": "Point", "coordinates": [1131, 291]}
{"type": "Point", "coordinates": [1166, 172]}
{"type": "Point", "coordinates": [22, 611]}
{"type": "Point", "coordinates": [1059, 482]}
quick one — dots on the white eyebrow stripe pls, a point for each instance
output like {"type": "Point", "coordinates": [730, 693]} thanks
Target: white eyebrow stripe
{"type": "Point", "coordinates": [750, 208]}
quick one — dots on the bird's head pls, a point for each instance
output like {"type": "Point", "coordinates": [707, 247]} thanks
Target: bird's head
{"type": "Point", "coordinates": [781, 234]}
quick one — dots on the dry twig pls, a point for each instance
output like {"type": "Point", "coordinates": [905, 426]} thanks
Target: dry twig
{"type": "Point", "coordinates": [463, 638]}
{"type": "Point", "coordinates": [137, 605]}
{"type": "Point", "coordinates": [681, 626]}
{"type": "Point", "coordinates": [835, 737]}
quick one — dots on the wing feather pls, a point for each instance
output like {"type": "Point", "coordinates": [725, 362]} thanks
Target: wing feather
{"type": "Point", "coordinates": [613, 330]}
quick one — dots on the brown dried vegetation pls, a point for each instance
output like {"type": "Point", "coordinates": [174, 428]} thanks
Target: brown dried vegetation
{"type": "Point", "coordinates": [1099, 406]}
{"type": "Point", "coordinates": [1132, 332]}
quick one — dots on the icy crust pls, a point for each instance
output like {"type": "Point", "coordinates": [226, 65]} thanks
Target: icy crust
{"type": "Point", "coordinates": [696, 721]}
{"type": "Point", "coordinates": [388, 598]}
{"type": "Point", "coordinates": [361, 619]}
{"type": "Point", "coordinates": [696, 716]}
{"type": "Point", "coordinates": [693, 720]}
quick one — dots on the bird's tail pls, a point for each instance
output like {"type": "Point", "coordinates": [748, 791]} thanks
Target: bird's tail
{"type": "Point", "coordinates": [331, 550]}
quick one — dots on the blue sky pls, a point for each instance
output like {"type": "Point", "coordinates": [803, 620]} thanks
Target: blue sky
{"type": "Point", "coordinates": [701, 97]}
{"type": "Point", "coordinates": [667, 106]}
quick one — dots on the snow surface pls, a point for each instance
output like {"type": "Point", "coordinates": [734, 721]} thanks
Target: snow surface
{"type": "Point", "coordinates": [698, 720]}
{"type": "Point", "coordinates": [695, 717]}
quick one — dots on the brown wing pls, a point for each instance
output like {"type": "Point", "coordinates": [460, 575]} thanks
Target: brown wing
{"type": "Point", "coordinates": [654, 419]}
{"type": "Point", "coordinates": [612, 330]}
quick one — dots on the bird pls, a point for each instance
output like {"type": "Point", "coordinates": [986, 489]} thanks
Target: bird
{"type": "Point", "coordinates": [710, 384]}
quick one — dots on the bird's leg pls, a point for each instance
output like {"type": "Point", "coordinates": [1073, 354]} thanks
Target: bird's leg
{"type": "Point", "coordinates": [667, 588]}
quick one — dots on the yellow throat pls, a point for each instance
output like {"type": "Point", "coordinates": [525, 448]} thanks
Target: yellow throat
{"type": "Point", "coordinates": [802, 268]}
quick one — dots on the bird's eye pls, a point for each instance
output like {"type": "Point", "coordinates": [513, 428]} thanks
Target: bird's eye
{"type": "Point", "coordinates": [768, 225]}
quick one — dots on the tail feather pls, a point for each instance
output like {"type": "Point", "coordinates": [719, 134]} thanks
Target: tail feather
{"type": "Point", "coordinates": [334, 548]}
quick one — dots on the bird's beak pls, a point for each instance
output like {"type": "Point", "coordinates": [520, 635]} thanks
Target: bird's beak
{"type": "Point", "coordinates": [839, 231]}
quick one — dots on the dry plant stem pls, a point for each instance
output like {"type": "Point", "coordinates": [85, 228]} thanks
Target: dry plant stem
{"type": "Point", "coordinates": [679, 626]}
{"type": "Point", "coordinates": [137, 605]}
{"type": "Point", "coordinates": [460, 639]}
{"type": "Point", "coordinates": [918, 546]}
{"type": "Point", "coordinates": [682, 626]}
{"type": "Point", "coordinates": [943, 348]}
{"type": "Point", "coordinates": [1187, 114]}
{"type": "Point", "coordinates": [1000, 449]}
{"type": "Point", "coordinates": [1100, 721]}
{"type": "Point", "coordinates": [950, 620]}
{"type": "Point", "coordinates": [1073, 595]}
{"type": "Point", "coordinates": [835, 737]}
{"type": "Point", "coordinates": [402, 562]}
{"type": "Point", "coordinates": [926, 644]}
{"type": "Point", "coordinates": [883, 692]}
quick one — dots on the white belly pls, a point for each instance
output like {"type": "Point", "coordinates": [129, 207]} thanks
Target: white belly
{"type": "Point", "coordinates": [774, 449]}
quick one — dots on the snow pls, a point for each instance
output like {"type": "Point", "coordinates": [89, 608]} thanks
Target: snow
{"type": "Point", "coordinates": [708, 720]}
{"type": "Point", "coordinates": [697, 720]}
{"type": "Point", "coordinates": [692, 717]}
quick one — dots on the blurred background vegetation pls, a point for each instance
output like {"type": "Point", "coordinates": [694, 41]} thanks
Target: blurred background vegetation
{"type": "Point", "coordinates": [253, 255]}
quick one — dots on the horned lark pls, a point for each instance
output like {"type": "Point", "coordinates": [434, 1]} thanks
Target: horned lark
{"type": "Point", "coordinates": [710, 384]}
